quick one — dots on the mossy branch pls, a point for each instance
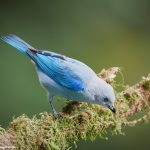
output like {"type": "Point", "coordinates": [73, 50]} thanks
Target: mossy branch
{"type": "Point", "coordinates": [81, 121]}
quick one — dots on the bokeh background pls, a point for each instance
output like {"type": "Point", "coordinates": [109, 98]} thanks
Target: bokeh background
{"type": "Point", "coordinates": [101, 33]}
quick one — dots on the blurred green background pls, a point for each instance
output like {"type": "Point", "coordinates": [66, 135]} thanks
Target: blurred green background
{"type": "Point", "coordinates": [101, 33]}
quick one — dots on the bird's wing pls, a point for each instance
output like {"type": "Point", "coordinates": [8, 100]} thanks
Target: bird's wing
{"type": "Point", "coordinates": [60, 69]}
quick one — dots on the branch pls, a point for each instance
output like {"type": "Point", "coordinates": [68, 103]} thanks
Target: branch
{"type": "Point", "coordinates": [81, 121]}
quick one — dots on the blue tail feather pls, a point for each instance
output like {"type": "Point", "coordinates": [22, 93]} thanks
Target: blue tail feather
{"type": "Point", "coordinates": [18, 43]}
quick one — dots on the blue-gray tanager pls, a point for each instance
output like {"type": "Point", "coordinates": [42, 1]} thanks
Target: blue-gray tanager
{"type": "Point", "coordinates": [66, 77]}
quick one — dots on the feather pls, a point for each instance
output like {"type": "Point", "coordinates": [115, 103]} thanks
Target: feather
{"type": "Point", "coordinates": [18, 43]}
{"type": "Point", "coordinates": [54, 65]}
{"type": "Point", "coordinates": [59, 70]}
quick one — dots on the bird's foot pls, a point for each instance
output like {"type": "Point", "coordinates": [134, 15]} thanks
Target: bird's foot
{"type": "Point", "coordinates": [57, 115]}
{"type": "Point", "coordinates": [60, 116]}
{"type": "Point", "coordinates": [54, 112]}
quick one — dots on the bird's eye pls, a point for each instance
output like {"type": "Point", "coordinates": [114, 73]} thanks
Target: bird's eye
{"type": "Point", "coordinates": [106, 100]}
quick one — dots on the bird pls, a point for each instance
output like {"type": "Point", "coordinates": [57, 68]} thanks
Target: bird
{"type": "Point", "coordinates": [65, 77]}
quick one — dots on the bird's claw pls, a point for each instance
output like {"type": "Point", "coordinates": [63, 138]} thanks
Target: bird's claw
{"type": "Point", "coordinates": [58, 116]}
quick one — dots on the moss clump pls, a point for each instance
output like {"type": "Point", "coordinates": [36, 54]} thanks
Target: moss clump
{"type": "Point", "coordinates": [46, 132]}
{"type": "Point", "coordinates": [146, 83]}
{"type": "Point", "coordinates": [2, 130]}
{"type": "Point", "coordinates": [127, 96]}
{"type": "Point", "coordinates": [131, 95]}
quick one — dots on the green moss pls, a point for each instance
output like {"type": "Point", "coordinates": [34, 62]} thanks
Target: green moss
{"type": "Point", "coordinates": [128, 96]}
{"type": "Point", "coordinates": [2, 130]}
{"type": "Point", "coordinates": [46, 132]}
{"type": "Point", "coordinates": [131, 96]}
{"type": "Point", "coordinates": [146, 85]}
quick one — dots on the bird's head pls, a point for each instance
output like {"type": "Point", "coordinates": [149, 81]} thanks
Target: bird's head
{"type": "Point", "coordinates": [106, 96]}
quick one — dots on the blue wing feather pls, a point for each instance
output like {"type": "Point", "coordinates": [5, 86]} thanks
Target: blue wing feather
{"type": "Point", "coordinates": [61, 70]}
{"type": "Point", "coordinates": [56, 68]}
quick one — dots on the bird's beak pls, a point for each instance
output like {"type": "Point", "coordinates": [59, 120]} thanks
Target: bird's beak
{"type": "Point", "coordinates": [112, 109]}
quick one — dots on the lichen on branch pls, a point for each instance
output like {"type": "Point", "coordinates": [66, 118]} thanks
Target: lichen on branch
{"type": "Point", "coordinates": [81, 121]}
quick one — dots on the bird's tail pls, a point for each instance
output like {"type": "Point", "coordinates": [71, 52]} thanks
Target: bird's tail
{"type": "Point", "coordinates": [18, 43]}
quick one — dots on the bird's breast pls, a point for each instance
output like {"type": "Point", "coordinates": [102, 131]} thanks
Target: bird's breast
{"type": "Point", "coordinates": [57, 90]}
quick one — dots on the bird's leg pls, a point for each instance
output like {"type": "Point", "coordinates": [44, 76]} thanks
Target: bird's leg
{"type": "Point", "coordinates": [50, 99]}
{"type": "Point", "coordinates": [54, 112]}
